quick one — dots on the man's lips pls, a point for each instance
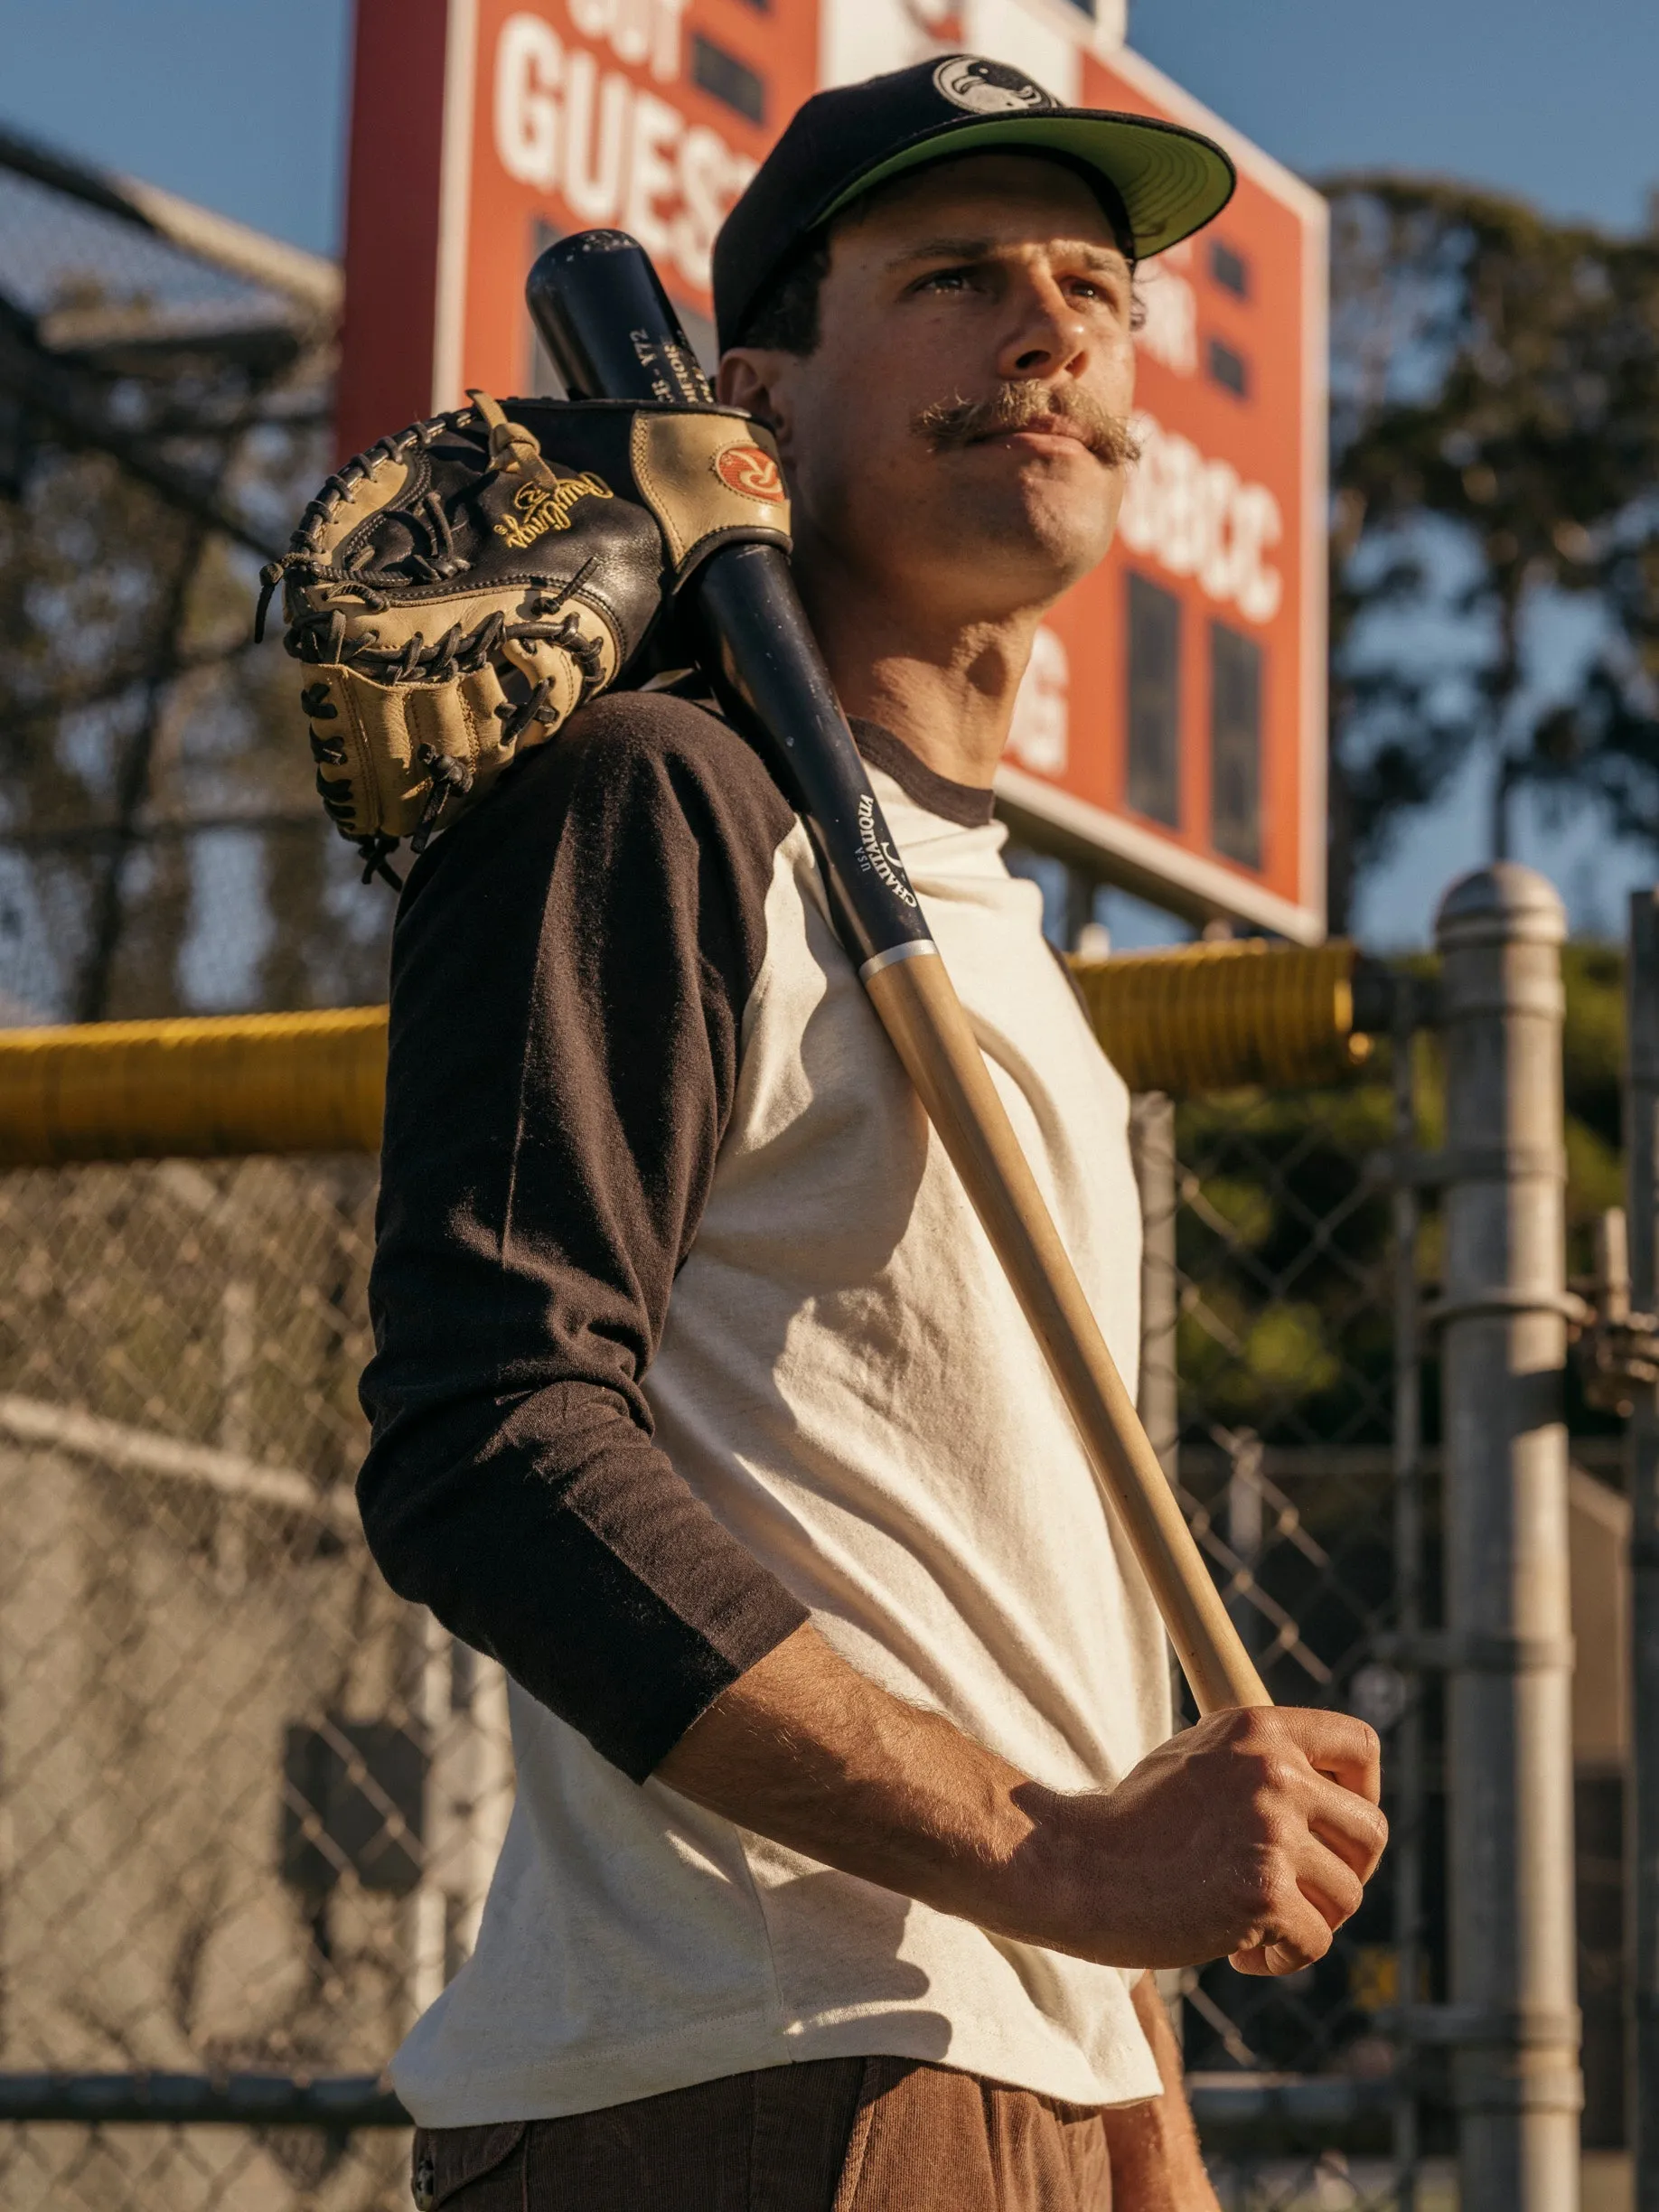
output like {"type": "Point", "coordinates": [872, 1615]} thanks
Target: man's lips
{"type": "Point", "coordinates": [1047, 429]}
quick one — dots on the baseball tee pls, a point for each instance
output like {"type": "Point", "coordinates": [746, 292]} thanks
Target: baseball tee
{"type": "Point", "coordinates": [686, 1333]}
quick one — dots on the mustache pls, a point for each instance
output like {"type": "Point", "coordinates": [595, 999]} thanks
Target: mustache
{"type": "Point", "coordinates": [949, 424]}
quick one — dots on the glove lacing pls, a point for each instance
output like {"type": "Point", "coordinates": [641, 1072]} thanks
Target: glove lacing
{"type": "Point", "coordinates": [514, 450]}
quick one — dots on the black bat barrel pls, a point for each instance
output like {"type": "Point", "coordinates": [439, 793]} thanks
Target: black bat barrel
{"type": "Point", "coordinates": [613, 334]}
{"type": "Point", "coordinates": [609, 325]}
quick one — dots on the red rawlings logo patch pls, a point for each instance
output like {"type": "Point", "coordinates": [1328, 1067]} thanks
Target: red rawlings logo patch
{"type": "Point", "coordinates": [751, 471]}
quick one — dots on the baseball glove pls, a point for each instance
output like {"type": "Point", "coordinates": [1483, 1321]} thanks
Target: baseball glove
{"type": "Point", "coordinates": [454, 593]}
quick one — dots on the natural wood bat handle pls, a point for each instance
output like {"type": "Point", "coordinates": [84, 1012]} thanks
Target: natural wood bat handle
{"type": "Point", "coordinates": [917, 1003]}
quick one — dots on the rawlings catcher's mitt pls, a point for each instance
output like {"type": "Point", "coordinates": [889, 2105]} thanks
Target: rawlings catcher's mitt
{"type": "Point", "coordinates": [456, 591]}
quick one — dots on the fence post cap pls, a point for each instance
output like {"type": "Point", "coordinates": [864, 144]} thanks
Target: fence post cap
{"type": "Point", "coordinates": [1501, 903]}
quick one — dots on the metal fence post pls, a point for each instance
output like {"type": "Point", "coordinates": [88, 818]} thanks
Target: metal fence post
{"type": "Point", "coordinates": [1641, 1817]}
{"type": "Point", "coordinates": [1512, 2017]}
{"type": "Point", "coordinates": [1406, 1765]}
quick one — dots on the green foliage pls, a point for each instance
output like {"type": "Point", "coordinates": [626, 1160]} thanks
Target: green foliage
{"type": "Point", "coordinates": [1592, 1066]}
{"type": "Point", "coordinates": [1593, 1039]}
{"type": "Point", "coordinates": [1285, 1230]}
{"type": "Point", "coordinates": [1283, 1248]}
{"type": "Point", "coordinates": [1494, 446]}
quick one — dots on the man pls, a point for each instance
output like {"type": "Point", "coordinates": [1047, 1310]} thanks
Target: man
{"type": "Point", "coordinates": [848, 1819]}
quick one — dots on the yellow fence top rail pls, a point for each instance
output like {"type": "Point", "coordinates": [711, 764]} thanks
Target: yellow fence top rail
{"type": "Point", "coordinates": [193, 1088]}
{"type": "Point", "coordinates": [1212, 1017]}
{"type": "Point", "coordinates": [1203, 1016]}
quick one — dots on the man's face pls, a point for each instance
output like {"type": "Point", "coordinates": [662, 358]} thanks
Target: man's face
{"type": "Point", "coordinates": [960, 427]}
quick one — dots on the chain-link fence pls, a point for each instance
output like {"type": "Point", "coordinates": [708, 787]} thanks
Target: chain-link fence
{"type": "Point", "coordinates": [1296, 1286]}
{"type": "Point", "coordinates": [251, 1800]}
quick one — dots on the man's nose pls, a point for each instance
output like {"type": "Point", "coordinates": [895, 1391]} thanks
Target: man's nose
{"type": "Point", "coordinates": [1049, 338]}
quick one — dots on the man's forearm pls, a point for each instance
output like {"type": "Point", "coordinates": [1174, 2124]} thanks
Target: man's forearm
{"type": "Point", "coordinates": [1251, 1834]}
{"type": "Point", "coordinates": [809, 1751]}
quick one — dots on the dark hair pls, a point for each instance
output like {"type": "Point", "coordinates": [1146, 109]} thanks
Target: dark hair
{"type": "Point", "coordinates": [784, 313]}
{"type": "Point", "coordinates": [783, 316]}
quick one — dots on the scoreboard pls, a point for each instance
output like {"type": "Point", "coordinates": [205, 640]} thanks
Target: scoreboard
{"type": "Point", "coordinates": [1170, 735]}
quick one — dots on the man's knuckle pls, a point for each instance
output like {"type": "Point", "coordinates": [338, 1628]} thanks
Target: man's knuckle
{"type": "Point", "coordinates": [1288, 1905]}
{"type": "Point", "coordinates": [1230, 1734]}
{"type": "Point", "coordinates": [1368, 1834]}
{"type": "Point", "coordinates": [1257, 1824]}
{"type": "Point", "coordinates": [1261, 1888]}
{"type": "Point", "coordinates": [1355, 1741]}
{"type": "Point", "coordinates": [1236, 1730]}
{"type": "Point", "coordinates": [1270, 1779]}
{"type": "Point", "coordinates": [1346, 1890]}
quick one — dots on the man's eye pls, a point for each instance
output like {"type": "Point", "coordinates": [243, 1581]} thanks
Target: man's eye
{"type": "Point", "coordinates": [946, 280]}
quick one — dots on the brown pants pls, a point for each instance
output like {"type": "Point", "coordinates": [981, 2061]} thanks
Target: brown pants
{"type": "Point", "coordinates": [832, 2135]}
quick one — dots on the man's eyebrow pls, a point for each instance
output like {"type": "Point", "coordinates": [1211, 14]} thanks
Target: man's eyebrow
{"type": "Point", "coordinates": [1104, 258]}
{"type": "Point", "coordinates": [944, 249]}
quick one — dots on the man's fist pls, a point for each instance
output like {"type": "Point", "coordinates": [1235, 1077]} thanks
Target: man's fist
{"type": "Point", "coordinates": [1253, 1834]}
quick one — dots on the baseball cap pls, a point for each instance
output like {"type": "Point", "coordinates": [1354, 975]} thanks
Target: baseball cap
{"type": "Point", "coordinates": [842, 143]}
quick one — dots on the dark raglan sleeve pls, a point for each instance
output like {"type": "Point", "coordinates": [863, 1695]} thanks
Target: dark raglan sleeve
{"type": "Point", "coordinates": [569, 969]}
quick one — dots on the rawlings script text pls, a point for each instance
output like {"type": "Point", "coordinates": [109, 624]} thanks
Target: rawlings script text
{"type": "Point", "coordinates": [537, 509]}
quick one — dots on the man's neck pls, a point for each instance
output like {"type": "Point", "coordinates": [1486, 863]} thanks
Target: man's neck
{"type": "Point", "coordinates": [943, 684]}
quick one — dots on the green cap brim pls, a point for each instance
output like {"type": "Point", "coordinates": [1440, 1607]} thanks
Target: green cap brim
{"type": "Point", "coordinates": [1171, 181]}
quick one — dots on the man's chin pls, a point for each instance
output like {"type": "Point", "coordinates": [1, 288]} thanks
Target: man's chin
{"type": "Point", "coordinates": [1039, 530]}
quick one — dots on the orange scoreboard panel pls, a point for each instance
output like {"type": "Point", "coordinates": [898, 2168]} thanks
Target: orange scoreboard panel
{"type": "Point", "coordinates": [1171, 731]}
{"type": "Point", "coordinates": [480, 128]}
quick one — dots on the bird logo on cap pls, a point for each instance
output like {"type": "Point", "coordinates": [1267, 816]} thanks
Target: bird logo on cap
{"type": "Point", "coordinates": [988, 87]}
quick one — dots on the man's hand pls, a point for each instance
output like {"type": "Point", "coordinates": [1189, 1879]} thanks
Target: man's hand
{"type": "Point", "coordinates": [1251, 1834]}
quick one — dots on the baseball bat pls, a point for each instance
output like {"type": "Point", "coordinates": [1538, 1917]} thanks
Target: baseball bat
{"type": "Point", "coordinates": [613, 334]}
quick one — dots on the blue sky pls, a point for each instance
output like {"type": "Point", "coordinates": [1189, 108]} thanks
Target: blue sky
{"type": "Point", "coordinates": [1553, 98]}
{"type": "Point", "coordinates": [240, 104]}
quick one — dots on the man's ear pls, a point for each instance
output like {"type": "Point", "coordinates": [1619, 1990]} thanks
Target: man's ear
{"type": "Point", "coordinates": [754, 378]}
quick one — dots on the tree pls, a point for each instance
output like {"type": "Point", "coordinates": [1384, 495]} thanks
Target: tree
{"type": "Point", "coordinates": [164, 415]}
{"type": "Point", "coordinates": [1495, 458]}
